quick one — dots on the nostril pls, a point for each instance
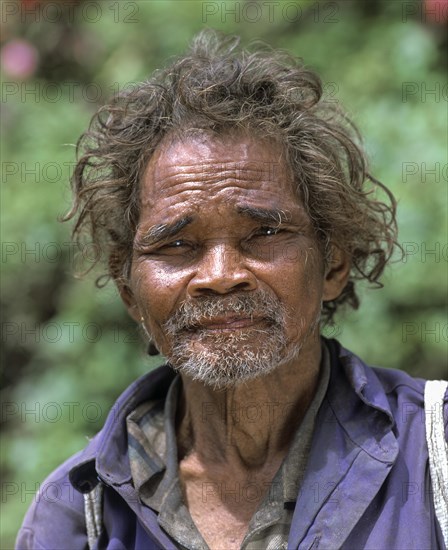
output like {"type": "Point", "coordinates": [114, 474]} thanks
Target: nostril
{"type": "Point", "coordinates": [214, 291]}
{"type": "Point", "coordinates": [241, 286]}
{"type": "Point", "coordinates": [223, 289]}
{"type": "Point", "coordinates": [205, 291]}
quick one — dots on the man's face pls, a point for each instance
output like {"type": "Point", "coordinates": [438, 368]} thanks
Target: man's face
{"type": "Point", "coordinates": [226, 271]}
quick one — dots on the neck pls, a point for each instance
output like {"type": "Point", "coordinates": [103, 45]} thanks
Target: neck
{"type": "Point", "coordinates": [252, 424]}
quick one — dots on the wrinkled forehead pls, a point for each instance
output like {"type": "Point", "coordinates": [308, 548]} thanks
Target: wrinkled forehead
{"type": "Point", "coordinates": [200, 156]}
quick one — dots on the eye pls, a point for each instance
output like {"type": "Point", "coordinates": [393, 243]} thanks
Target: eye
{"type": "Point", "coordinates": [267, 231]}
{"type": "Point", "coordinates": [175, 244]}
{"type": "Point", "coordinates": [179, 248]}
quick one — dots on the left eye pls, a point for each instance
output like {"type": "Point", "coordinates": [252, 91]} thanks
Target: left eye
{"type": "Point", "coordinates": [268, 231]}
{"type": "Point", "coordinates": [175, 244]}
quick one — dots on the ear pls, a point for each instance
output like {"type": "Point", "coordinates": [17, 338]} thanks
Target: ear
{"type": "Point", "coordinates": [337, 273]}
{"type": "Point", "coordinates": [129, 301]}
{"type": "Point", "coordinates": [125, 291]}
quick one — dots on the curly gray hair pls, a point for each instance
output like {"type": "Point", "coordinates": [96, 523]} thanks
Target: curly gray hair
{"type": "Point", "coordinates": [219, 87]}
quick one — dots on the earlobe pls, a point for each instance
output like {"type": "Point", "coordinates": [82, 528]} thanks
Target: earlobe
{"type": "Point", "coordinates": [336, 274]}
{"type": "Point", "coordinates": [126, 294]}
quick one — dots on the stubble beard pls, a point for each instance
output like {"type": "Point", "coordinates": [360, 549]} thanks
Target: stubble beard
{"type": "Point", "coordinates": [223, 360]}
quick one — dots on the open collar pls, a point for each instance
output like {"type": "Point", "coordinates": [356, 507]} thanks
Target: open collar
{"type": "Point", "coordinates": [105, 456]}
{"type": "Point", "coordinates": [350, 398]}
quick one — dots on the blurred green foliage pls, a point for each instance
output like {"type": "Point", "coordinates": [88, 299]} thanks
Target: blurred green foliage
{"type": "Point", "coordinates": [69, 349]}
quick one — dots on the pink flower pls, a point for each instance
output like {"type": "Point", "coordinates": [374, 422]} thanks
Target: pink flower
{"type": "Point", "coordinates": [436, 11]}
{"type": "Point", "coordinates": [19, 59]}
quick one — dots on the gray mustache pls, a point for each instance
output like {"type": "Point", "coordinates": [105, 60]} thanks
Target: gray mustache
{"type": "Point", "coordinates": [256, 303]}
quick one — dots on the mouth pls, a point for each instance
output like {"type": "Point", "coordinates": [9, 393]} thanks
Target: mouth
{"type": "Point", "coordinates": [228, 323]}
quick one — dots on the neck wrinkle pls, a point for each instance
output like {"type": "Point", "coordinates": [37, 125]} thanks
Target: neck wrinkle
{"type": "Point", "coordinates": [249, 425]}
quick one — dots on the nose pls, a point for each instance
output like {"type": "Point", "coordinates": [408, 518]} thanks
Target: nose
{"type": "Point", "coordinates": [221, 271]}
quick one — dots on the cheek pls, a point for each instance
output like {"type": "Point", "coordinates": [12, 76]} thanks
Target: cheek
{"type": "Point", "coordinates": [301, 289]}
{"type": "Point", "coordinates": [156, 291]}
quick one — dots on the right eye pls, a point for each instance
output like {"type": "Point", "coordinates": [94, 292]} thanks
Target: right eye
{"type": "Point", "coordinates": [267, 231]}
{"type": "Point", "coordinates": [175, 244]}
{"type": "Point", "coordinates": [178, 247]}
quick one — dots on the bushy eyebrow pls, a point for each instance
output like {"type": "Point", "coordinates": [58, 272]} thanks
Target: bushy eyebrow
{"type": "Point", "coordinates": [164, 231]}
{"type": "Point", "coordinates": [264, 215]}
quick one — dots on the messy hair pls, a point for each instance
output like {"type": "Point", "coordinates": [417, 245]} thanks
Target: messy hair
{"type": "Point", "coordinates": [219, 87]}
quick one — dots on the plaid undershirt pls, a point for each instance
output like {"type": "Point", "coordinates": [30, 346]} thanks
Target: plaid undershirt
{"type": "Point", "coordinates": [154, 468]}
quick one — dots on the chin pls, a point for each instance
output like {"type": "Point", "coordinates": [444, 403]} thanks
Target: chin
{"type": "Point", "coordinates": [225, 363]}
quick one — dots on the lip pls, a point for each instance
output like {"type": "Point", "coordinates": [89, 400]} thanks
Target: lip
{"type": "Point", "coordinates": [229, 323]}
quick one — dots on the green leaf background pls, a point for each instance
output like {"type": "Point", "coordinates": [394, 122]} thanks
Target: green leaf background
{"type": "Point", "coordinates": [60, 378]}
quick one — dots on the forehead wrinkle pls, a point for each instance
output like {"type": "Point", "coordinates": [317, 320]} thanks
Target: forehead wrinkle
{"type": "Point", "coordinates": [226, 165]}
{"type": "Point", "coordinates": [214, 175]}
{"type": "Point", "coordinates": [258, 164]}
{"type": "Point", "coordinates": [192, 191]}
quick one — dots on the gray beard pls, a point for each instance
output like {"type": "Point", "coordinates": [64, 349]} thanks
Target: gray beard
{"type": "Point", "coordinates": [224, 360]}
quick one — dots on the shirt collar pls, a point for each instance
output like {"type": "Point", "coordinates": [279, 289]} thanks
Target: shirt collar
{"type": "Point", "coordinates": [357, 401]}
{"type": "Point", "coordinates": [294, 465]}
{"type": "Point", "coordinates": [362, 379]}
{"type": "Point", "coordinates": [153, 447]}
{"type": "Point", "coordinates": [107, 453]}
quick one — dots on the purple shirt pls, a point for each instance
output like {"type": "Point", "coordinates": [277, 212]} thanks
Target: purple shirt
{"type": "Point", "coordinates": [366, 485]}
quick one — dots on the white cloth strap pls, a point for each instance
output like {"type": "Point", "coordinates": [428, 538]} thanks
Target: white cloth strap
{"type": "Point", "coordinates": [93, 508]}
{"type": "Point", "coordinates": [438, 450]}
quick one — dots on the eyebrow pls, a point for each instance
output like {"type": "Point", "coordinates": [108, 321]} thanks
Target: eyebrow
{"type": "Point", "coordinates": [264, 215]}
{"type": "Point", "coordinates": [164, 231]}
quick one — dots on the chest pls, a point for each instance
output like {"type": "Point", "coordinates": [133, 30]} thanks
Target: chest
{"type": "Point", "coordinates": [223, 506]}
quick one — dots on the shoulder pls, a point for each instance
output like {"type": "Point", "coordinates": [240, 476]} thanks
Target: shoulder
{"type": "Point", "coordinates": [400, 387]}
{"type": "Point", "coordinates": [409, 400]}
{"type": "Point", "coordinates": [399, 394]}
{"type": "Point", "coordinates": [394, 383]}
{"type": "Point", "coordinates": [56, 517]}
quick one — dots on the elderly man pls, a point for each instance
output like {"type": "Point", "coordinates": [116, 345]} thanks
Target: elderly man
{"type": "Point", "coordinates": [236, 213]}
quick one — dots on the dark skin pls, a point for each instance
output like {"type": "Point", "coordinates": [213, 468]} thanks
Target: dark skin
{"type": "Point", "coordinates": [207, 186]}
